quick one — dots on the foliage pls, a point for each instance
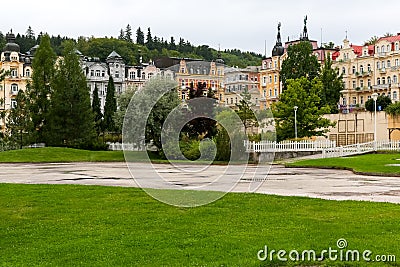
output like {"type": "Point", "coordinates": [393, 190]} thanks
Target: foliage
{"type": "Point", "coordinates": [110, 107]}
{"type": "Point", "coordinates": [309, 115]}
{"type": "Point", "coordinates": [300, 62]}
{"type": "Point", "coordinates": [96, 108]}
{"type": "Point", "coordinates": [332, 86]}
{"type": "Point", "coordinates": [40, 88]}
{"type": "Point", "coordinates": [392, 109]}
{"type": "Point", "coordinates": [122, 103]}
{"type": "Point", "coordinates": [382, 103]}
{"type": "Point", "coordinates": [245, 111]}
{"type": "Point", "coordinates": [71, 117]}
{"type": "Point", "coordinates": [19, 124]}
{"type": "Point", "coordinates": [139, 36]}
{"type": "Point", "coordinates": [371, 41]}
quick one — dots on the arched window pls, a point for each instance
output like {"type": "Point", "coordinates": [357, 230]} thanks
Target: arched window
{"type": "Point", "coordinates": [389, 80]}
{"type": "Point", "coordinates": [361, 69]}
{"type": "Point", "coordinates": [354, 70]}
{"type": "Point", "coordinates": [343, 70]}
{"type": "Point", "coordinates": [378, 81]}
{"type": "Point", "coordinates": [14, 88]}
{"type": "Point", "coordinates": [383, 80]}
{"type": "Point", "coordinates": [394, 78]}
{"type": "Point", "coordinates": [369, 67]}
{"type": "Point", "coordinates": [383, 49]}
{"type": "Point", "coordinates": [27, 73]}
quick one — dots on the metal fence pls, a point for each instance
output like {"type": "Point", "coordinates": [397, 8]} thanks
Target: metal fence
{"type": "Point", "coordinates": [288, 146]}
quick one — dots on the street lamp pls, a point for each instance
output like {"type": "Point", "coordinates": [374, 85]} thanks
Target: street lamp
{"type": "Point", "coordinates": [295, 121]}
{"type": "Point", "coordinates": [375, 97]}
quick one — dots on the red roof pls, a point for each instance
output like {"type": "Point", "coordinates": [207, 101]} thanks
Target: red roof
{"type": "Point", "coordinates": [357, 49]}
{"type": "Point", "coordinates": [371, 49]}
{"type": "Point", "coordinates": [335, 55]}
{"type": "Point", "coordinates": [391, 39]}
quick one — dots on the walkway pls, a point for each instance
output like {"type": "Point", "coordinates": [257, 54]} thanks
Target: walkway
{"type": "Point", "coordinates": [316, 183]}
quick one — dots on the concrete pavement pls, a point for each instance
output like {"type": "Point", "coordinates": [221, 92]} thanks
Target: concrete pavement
{"type": "Point", "coordinates": [316, 183]}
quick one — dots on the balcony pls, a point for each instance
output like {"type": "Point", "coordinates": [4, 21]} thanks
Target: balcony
{"type": "Point", "coordinates": [381, 54]}
{"type": "Point", "coordinates": [383, 70]}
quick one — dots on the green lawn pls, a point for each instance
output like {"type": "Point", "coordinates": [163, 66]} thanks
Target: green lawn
{"type": "Point", "coordinates": [70, 225]}
{"type": "Point", "coordinates": [370, 163]}
{"type": "Point", "coordinates": [59, 154]}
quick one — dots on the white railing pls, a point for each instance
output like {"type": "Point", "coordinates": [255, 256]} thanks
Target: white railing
{"type": "Point", "coordinates": [128, 147]}
{"type": "Point", "coordinates": [288, 146]}
{"type": "Point", "coordinates": [356, 149]}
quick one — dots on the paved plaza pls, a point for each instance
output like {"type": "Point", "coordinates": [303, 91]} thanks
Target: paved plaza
{"type": "Point", "coordinates": [316, 183]}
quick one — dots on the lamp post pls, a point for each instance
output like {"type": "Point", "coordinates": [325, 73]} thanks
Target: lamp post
{"type": "Point", "coordinates": [375, 97]}
{"type": "Point", "coordinates": [295, 121]}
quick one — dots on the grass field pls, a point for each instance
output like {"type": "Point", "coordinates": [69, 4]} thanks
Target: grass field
{"type": "Point", "coordinates": [370, 163]}
{"type": "Point", "coordinates": [69, 225]}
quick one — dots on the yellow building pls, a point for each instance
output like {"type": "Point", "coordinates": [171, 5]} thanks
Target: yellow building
{"type": "Point", "coordinates": [368, 69]}
{"type": "Point", "coordinates": [209, 74]}
{"type": "Point", "coordinates": [20, 70]}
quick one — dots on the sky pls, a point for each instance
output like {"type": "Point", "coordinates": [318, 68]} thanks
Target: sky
{"type": "Point", "coordinates": [242, 24]}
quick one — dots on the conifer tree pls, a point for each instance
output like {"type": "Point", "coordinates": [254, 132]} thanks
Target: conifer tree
{"type": "Point", "coordinates": [71, 117]}
{"type": "Point", "coordinates": [110, 107]}
{"type": "Point", "coordinates": [128, 33]}
{"type": "Point", "coordinates": [139, 36]}
{"type": "Point", "coordinates": [39, 89]}
{"type": "Point", "coordinates": [96, 108]}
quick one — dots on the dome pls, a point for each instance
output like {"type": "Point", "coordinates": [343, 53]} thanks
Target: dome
{"type": "Point", "coordinates": [11, 46]}
{"type": "Point", "coordinates": [278, 50]}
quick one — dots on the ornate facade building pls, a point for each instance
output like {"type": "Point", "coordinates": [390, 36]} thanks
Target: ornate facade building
{"type": "Point", "coordinates": [270, 82]}
{"type": "Point", "coordinates": [20, 70]}
{"type": "Point", "coordinates": [368, 69]}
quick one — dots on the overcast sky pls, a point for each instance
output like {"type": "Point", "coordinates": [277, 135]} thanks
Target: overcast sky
{"type": "Point", "coordinates": [242, 24]}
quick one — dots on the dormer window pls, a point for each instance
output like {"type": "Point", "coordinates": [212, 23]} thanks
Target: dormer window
{"type": "Point", "coordinates": [14, 72]}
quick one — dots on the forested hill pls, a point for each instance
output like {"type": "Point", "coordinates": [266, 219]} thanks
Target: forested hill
{"type": "Point", "coordinates": [132, 48]}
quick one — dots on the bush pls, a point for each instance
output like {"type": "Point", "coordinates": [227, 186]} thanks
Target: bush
{"type": "Point", "coordinates": [393, 109]}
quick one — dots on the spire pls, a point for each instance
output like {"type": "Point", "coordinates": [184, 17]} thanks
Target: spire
{"type": "Point", "coordinates": [219, 56]}
{"type": "Point", "coordinates": [304, 36]}
{"type": "Point", "coordinates": [278, 49]}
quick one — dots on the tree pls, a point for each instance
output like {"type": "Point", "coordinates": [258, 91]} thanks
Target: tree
{"type": "Point", "coordinates": [96, 108]}
{"type": "Point", "coordinates": [71, 117]}
{"type": "Point", "coordinates": [110, 107]}
{"type": "Point", "coordinates": [372, 40]}
{"type": "Point", "coordinates": [123, 101]}
{"type": "Point", "coordinates": [299, 63]}
{"type": "Point", "coordinates": [332, 86]}
{"type": "Point", "coordinates": [121, 35]}
{"type": "Point", "coordinates": [382, 102]}
{"type": "Point", "coordinates": [39, 89]}
{"type": "Point", "coordinates": [329, 45]}
{"type": "Point", "coordinates": [309, 115]}
{"type": "Point", "coordinates": [149, 39]}
{"type": "Point", "coordinates": [128, 33]}
{"type": "Point", "coordinates": [139, 36]}
{"type": "Point", "coordinates": [19, 122]}
{"type": "Point", "coordinates": [30, 34]}
{"type": "Point", "coordinates": [245, 112]}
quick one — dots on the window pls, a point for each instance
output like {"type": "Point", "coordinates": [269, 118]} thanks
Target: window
{"type": "Point", "coordinates": [389, 64]}
{"type": "Point", "coordinates": [378, 50]}
{"type": "Point", "coordinates": [213, 72]}
{"type": "Point", "coordinates": [361, 69]}
{"type": "Point", "coordinates": [344, 101]}
{"type": "Point", "coordinates": [14, 72]}
{"type": "Point", "coordinates": [369, 83]}
{"type": "Point", "coordinates": [149, 75]}
{"type": "Point", "coordinates": [275, 64]}
{"type": "Point", "coordinates": [27, 73]}
{"type": "Point", "coordinates": [353, 70]}
{"type": "Point", "coordinates": [394, 78]}
{"type": "Point", "coordinates": [396, 62]}
{"type": "Point", "coordinates": [270, 92]}
{"type": "Point", "coordinates": [143, 75]}
{"type": "Point", "coordinates": [191, 70]}
{"type": "Point", "coordinates": [383, 80]}
{"type": "Point", "coordinates": [378, 81]}
{"type": "Point", "coordinates": [343, 70]}
{"type": "Point", "coordinates": [264, 80]}
{"type": "Point", "coordinates": [98, 73]}
{"type": "Point", "coordinates": [182, 70]}
{"type": "Point", "coordinates": [394, 95]}
{"type": "Point", "coordinates": [103, 73]}
{"type": "Point", "coordinates": [270, 64]}
{"type": "Point", "coordinates": [132, 75]}
{"type": "Point", "coordinates": [383, 64]}
{"type": "Point", "coordinates": [275, 92]}
{"type": "Point", "coordinates": [354, 100]}
{"type": "Point", "coordinates": [389, 80]}
{"type": "Point", "coordinates": [91, 73]}
{"type": "Point", "coordinates": [14, 88]}
{"type": "Point", "coordinates": [362, 100]}
{"type": "Point", "coordinates": [183, 96]}
{"type": "Point", "coordinates": [383, 49]}
{"type": "Point", "coordinates": [369, 67]}
{"type": "Point", "coordinates": [388, 48]}
{"type": "Point", "coordinates": [270, 79]}
{"type": "Point", "coordinates": [182, 82]}
{"type": "Point", "coordinates": [264, 65]}
{"type": "Point", "coordinates": [354, 84]}
{"type": "Point", "coordinates": [13, 103]}
{"type": "Point", "coordinates": [275, 78]}
{"type": "Point", "coordinates": [397, 46]}
{"type": "Point", "coordinates": [378, 65]}
{"type": "Point", "coordinates": [116, 74]}
{"type": "Point", "coordinates": [265, 93]}
{"type": "Point", "coordinates": [361, 83]}
{"type": "Point", "coordinates": [116, 65]}
{"type": "Point", "coordinates": [236, 100]}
